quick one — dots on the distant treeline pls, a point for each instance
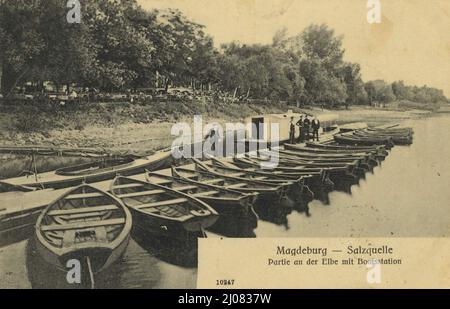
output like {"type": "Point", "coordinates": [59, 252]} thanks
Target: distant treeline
{"type": "Point", "coordinates": [119, 46]}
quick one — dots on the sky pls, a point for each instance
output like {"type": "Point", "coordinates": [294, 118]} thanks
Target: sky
{"type": "Point", "coordinates": [412, 42]}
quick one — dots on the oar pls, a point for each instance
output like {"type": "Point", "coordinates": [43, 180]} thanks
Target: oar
{"type": "Point", "coordinates": [203, 232]}
{"type": "Point", "coordinates": [91, 273]}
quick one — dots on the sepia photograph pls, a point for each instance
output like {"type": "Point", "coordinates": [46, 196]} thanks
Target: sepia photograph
{"type": "Point", "coordinates": [222, 144]}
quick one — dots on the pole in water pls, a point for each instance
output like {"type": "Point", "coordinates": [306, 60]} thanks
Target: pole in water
{"type": "Point", "coordinates": [33, 160]}
{"type": "Point", "coordinates": [91, 273]}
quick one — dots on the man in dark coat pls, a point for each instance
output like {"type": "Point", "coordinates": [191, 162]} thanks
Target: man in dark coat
{"type": "Point", "coordinates": [292, 132]}
{"type": "Point", "coordinates": [301, 136]}
{"type": "Point", "coordinates": [315, 128]}
{"type": "Point", "coordinates": [306, 126]}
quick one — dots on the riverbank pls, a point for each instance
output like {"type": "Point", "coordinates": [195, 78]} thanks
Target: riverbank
{"type": "Point", "coordinates": [147, 127]}
{"type": "Point", "coordinates": [115, 125]}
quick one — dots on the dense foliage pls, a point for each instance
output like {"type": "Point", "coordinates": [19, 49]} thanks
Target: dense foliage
{"type": "Point", "coordinates": [119, 46]}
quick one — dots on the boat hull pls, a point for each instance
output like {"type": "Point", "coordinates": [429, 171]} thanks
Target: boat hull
{"type": "Point", "coordinates": [170, 228]}
{"type": "Point", "coordinates": [101, 257]}
{"type": "Point", "coordinates": [62, 181]}
{"type": "Point", "coordinates": [351, 140]}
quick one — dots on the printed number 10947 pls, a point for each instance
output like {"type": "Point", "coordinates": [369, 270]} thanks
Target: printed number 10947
{"type": "Point", "coordinates": [225, 282]}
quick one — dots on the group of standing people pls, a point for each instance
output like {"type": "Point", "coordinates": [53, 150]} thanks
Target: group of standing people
{"type": "Point", "coordinates": [306, 127]}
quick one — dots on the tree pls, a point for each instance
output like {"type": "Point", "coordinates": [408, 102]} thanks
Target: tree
{"type": "Point", "coordinates": [21, 42]}
{"type": "Point", "coordinates": [321, 86]}
{"type": "Point", "coordinates": [204, 65]}
{"type": "Point", "coordinates": [320, 43]}
{"type": "Point", "coordinates": [423, 94]}
{"type": "Point", "coordinates": [356, 94]}
{"type": "Point", "coordinates": [119, 28]}
{"type": "Point", "coordinates": [316, 54]}
{"type": "Point", "coordinates": [401, 91]}
{"type": "Point", "coordinates": [70, 53]}
{"type": "Point", "coordinates": [176, 42]}
{"type": "Point", "coordinates": [266, 71]}
{"type": "Point", "coordinates": [118, 45]}
{"type": "Point", "coordinates": [379, 91]}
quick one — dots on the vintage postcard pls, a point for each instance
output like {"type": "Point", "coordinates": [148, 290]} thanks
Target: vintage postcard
{"type": "Point", "coordinates": [224, 144]}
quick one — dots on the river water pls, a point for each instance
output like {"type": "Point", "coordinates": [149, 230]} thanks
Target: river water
{"type": "Point", "coordinates": [407, 196]}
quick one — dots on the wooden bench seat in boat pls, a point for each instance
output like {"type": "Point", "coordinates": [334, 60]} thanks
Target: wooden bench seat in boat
{"type": "Point", "coordinates": [162, 203]}
{"type": "Point", "coordinates": [82, 225]}
{"type": "Point", "coordinates": [61, 212]}
{"type": "Point", "coordinates": [129, 185]}
{"type": "Point", "coordinates": [83, 195]}
{"type": "Point", "coordinates": [174, 201]}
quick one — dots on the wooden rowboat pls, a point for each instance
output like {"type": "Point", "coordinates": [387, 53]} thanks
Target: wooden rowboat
{"type": "Point", "coordinates": [368, 159]}
{"type": "Point", "coordinates": [295, 162]}
{"type": "Point", "coordinates": [202, 167]}
{"type": "Point", "coordinates": [86, 224]}
{"type": "Point", "coordinates": [350, 170]}
{"type": "Point", "coordinates": [315, 181]}
{"type": "Point", "coordinates": [398, 138]}
{"type": "Point", "coordinates": [89, 173]}
{"type": "Point", "coordinates": [392, 130]}
{"type": "Point", "coordinates": [323, 157]}
{"type": "Point", "coordinates": [379, 154]}
{"type": "Point", "coordinates": [224, 201]}
{"type": "Point", "coordinates": [322, 154]}
{"type": "Point", "coordinates": [339, 148]}
{"type": "Point", "coordinates": [364, 163]}
{"type": "Point", "coordinates": [336, 172]}
{"type": "Point", "coordinates": [269, 174]}
{"type": "Point", "coordinates": [366, 141]}
{"type": "Point", "coordinates": [275, 193]}
{"type": "Point", "coordinates": [406, 133]}
{"type": "Point", "coordinates": [278, 169]}
{"type": "Point", "coordinates": [234, 183]}
{"type": "Point", "coordinates": [161, 210]}
{"type": "Point", "coordinates": [297, 190]}
{"type": "Point", "coordinates": [329, 150]}
{"type": "Point", "coordinates": [227, 169]}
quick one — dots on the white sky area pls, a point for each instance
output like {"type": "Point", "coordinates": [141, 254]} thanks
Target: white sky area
{"type": "Point", "coordinates": [412, 43]}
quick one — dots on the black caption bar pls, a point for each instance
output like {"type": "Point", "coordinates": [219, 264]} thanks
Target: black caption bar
{"type": "Point", "coordinates": [234, 298]}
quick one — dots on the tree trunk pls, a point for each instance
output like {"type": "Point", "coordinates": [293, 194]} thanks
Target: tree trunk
{"type": "Point", "coordinates": [13, 83]}
{"type": "Point", "coordinates": [235, 92]}
{"type": "Point", "coordinates": [157, 78]}
{"type": "Point", "coordinates": [166, 86]}
{"type": "Point", "coordinates": [1, 74]}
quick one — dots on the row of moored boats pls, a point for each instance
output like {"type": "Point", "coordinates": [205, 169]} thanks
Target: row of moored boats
{"type": "Point", "coordinates": [184, 201]}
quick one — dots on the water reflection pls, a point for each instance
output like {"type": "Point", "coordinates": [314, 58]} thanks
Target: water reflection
{"type": "Point", "coordinates": [345, 186]}
{"type": "Point", "coordinates": [235, 226]}
{"type": "Point", "coordinates": [406, 195]}
{"type": "Point", "coordinates": [166, 249]}
{"type": "Point", "coordinates": [273, 213]}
